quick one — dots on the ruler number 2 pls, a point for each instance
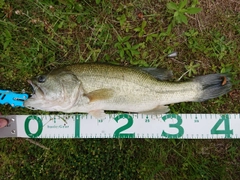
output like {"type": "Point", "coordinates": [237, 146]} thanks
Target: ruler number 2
{"type": "Point", "coordinates": [117, 133]}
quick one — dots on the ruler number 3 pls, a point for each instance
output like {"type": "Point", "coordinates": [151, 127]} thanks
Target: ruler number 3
{"type": "Point", "coordinates": [177, 125]}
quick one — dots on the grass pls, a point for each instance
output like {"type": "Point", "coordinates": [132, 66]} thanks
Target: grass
{"type": "Point", "coordinates": [37, 36]}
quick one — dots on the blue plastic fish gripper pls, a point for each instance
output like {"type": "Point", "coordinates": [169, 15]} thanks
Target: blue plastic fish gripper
{"type": "Point", "coordinates": [12, 98]}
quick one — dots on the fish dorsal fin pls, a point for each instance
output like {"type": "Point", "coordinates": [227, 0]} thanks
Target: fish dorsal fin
{"type": "Point", "coordinates": [159, 73]}
{"type": "Point", "coordinates": [100, 94]}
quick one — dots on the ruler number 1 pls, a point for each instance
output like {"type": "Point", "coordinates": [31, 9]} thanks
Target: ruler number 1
{"type": "Point", "coordinates": [224, 119]}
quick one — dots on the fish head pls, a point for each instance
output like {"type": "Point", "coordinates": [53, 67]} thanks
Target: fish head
{"type": "Point", "coordinates": [57, 91]}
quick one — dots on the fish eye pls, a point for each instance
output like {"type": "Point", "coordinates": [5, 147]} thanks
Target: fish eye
{"type": "Point", "coordinates": [41, 78]}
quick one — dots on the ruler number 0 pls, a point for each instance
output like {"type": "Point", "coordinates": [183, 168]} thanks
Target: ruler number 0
{"type": "Point", "coordinates": [39, 129]}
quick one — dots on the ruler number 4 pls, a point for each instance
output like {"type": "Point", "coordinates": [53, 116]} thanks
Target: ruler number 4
{"type": "Point", "coordinates": [226, 130]}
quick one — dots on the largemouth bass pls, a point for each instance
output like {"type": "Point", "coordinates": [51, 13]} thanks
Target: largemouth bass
{"type": "Point", "coordinates": [94, 88]}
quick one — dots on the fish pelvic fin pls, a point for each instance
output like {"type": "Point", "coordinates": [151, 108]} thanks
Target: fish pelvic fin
{"type": "Point", "coordinates": [157, 110]}
{"type": "Point", "coordinates": [213, 85]}
{"type": "Point", "coordinates": [100, 94]}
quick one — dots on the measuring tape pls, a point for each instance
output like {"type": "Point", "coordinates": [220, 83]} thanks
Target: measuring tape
{"type": "Point", "coordinates": [179, 126]}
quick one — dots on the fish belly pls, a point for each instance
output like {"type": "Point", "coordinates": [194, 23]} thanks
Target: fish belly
{"type": "Point", "coordinates": [130, 97]}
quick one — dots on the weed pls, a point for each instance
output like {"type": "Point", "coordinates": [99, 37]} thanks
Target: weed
{"type": "Point", "coordinates": [125, 25]}
{"type": "Point", "coordinates": [180, 11]}
{"type": "Point", "coordinates": [141, 30]}
{"type": "Point", "coordinates": [128, 51]}
{"type": "Point", "coordinates": [191, 68]}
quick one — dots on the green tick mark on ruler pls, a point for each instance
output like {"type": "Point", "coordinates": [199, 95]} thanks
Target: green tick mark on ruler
{"type": "Point", "coordinates": [147, 120]}
{"type": "Point", "coordinates": [77, 126]}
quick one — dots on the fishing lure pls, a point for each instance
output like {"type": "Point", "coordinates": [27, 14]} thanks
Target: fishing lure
{"type": "Point", "coordinates": [12, 98]}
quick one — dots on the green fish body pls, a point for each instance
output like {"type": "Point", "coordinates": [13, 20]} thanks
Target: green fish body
{"type": "Point", "coordinates": [94, 88]}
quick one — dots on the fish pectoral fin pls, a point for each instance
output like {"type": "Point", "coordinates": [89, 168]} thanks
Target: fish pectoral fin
{"type": "Point", "coordinates": [157, 110]}
{"type": "Point", "coordinates": [100, 94]}
{"type": "Point", "coordinates": [98, 113]}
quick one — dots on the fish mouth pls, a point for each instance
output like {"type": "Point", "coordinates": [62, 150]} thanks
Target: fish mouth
{"type": "Point", "coordinates": [37, 90]}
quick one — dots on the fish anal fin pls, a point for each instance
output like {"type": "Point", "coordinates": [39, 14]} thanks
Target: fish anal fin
{"type": "Point", "coordinates": [156, 111]}
{"type": "Point", "coordinates": [100, 94]}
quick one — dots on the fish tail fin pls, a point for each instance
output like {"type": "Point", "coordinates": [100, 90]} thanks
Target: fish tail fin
{"type": "Point", "coordinates": [213, 85]}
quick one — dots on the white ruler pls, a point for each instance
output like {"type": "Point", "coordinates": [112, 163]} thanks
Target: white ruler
{"type": "Point", "coordinates": [182, 126]}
